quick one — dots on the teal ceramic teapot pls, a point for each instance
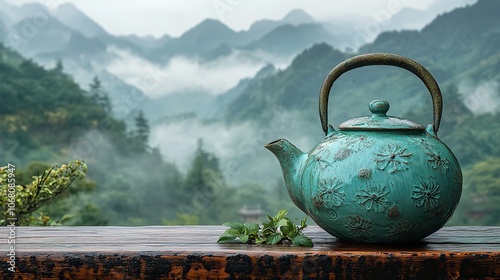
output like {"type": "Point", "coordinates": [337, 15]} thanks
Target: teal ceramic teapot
{"type": "Point", "coordinates": [376, 179]}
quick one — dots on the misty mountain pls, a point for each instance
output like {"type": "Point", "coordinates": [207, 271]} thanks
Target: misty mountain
{"type": "Point", "coordinates": [454, 42]}
{"type": "Point", "coordinates": [452, 47]}
{"type": "Point", "coordinates": [54, 37]}
{"type": "Point", "coordinates": [35, 31]}
{"type": "Point", "coordinates": [444, 6]}
{"type": "Point", "coordinates": [295, 17]}
{"type": "Point", "coordinates": [209, 48]}
{"type": "Point", "coordinates": [147, 42]}
{"type": "Point", "coordinates": [409, 18]}
{"type": "Point", "coordinates": [211, 38]}
{"type": "Point", "coordinates": [354, 31]}
{"type": "Point", "coordinates": [72, 17]}
{"type": "Point", "coordinates": [61, 32]}
{"type": "Point", "coordinates": [222, 101]}
{"type": "Point", "coordinates": [200, 40]}
{"type": "Point", "coordinates": [126, 98]}
{"type": "Point", "coordinates": [290, 88]}
{"type": "Point", "coordinates": [289, 39]}
{"type": "Point", "coordinates": [294, 32]}
{"type": "Point", "coordinates": [13, 14]}
{"type": "Point", "coordinates": [86, 49]}
{"type": "Point", "coordinates": [122, 43]}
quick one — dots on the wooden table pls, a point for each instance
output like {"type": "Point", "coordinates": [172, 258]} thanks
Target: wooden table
{"type": "Point", "coordinates": [191, 252]}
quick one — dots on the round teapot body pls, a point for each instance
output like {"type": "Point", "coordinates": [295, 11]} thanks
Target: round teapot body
{"type": "Point", "coordinates": [381, 186]}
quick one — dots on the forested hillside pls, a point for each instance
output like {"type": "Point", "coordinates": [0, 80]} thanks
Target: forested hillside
{"type": "Point", "coordinates": [47, 119]}
{"type": "Point", "coordinates": [458, 47]}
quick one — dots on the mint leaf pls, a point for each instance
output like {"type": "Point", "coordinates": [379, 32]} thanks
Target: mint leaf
{"type": "Point", "coordinates": [282, 222]}
{"type": "Point", "coordinates": [273, 238]}
{"type": "Point", "coordinates": [281, 214]}
{"type": "Point", "coordinates": [303, 223]}
{"type": "Point", "coordinates": [285, 230]}
{"type": "Point", "coordinates": [232, 231]}
{"type": "Point", "coordinates": [260, 239]}
{"type": "Point", "coordinates": [302, 240]}
{"type": "Point", "coordinates": [251, 228]}
{"type": "Point", "coordinates": [277, 230]}
{"type": "Point", "coordinates": [225, 238]}
{"type": "Point", "coordinates": [244, 238]}
{"type": "Point", "coordinates": [235, 225]}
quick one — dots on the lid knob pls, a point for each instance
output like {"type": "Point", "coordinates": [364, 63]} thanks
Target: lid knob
{"type": "Point", "coordinates": [379, 107]}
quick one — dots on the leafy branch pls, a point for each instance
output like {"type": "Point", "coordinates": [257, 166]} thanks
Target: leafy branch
{"type": "Point", "coordinates": [41, 191]}
{"type": "Point", "coordinates": [278, 230]}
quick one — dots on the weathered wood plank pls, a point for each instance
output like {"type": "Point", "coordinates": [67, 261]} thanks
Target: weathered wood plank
{"type": "Point", "coordinates": [191, 252]}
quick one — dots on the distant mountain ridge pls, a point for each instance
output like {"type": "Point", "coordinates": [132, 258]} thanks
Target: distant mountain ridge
{"type": "Point", "coordinates": [71, 16]}
{"type": "Point", "coordinates": [12, 14]}
{"type": "Point", "coordinates": [291, 39]}
{"type": "Point", "coordinates": [457, 46]}
{"type": "Point", "coordinates": [86, 48]}
{"type": "Point", "coordinates": [200, 40]}
{"type": "Point", "coordinates": [409, 18]}
{"type": "Point", "coordinates": [295, 17]}
{"type": "Point", "coordinates": [147, 42]}
{"type": "Point", "coordinates": [293, 33]}
{"type": "Point", "coordinates": [41, 40]}
{"type": "Point", "coordinates": [455, 41]}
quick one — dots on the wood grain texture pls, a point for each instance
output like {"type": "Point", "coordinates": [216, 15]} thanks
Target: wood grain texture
{"type": "Point", "coordinates": [191, 252]}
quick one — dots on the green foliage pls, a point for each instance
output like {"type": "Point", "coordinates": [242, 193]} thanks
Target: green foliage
{"type": "Point", "coordinates": [182, 219]}
{"type": "Point", "coordinates": [46, 110]}
{"type": "Point", "coordinates": [480, 202]}
{"type": "Point", "coordinates": [41, 191]}
{"type": "Point", "coordinates": [204, 171]}
{"type": "Point", "coordinates": [204, 192]}
{"type": "Point", "coordinates": [278, 230]}
{"type": "Point", "coordinates": [67, 204]}
{"type": "Point", "coordinates": [44, 220]}
{"type": "Point", "coordinates": [292, 88]}
{"type": "Point", "coordinates": [90, 215]}
{"type": "Point", "coordinates": [141, 133]}
{"type": "Point", "coordinates": [476, 139]}
{"type": "Point", "coordinates": [45, 117]}
{"type": "Point", "coordinates": [99, 94]}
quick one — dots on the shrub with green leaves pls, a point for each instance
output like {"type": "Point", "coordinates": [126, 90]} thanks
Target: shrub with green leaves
{"type": "Point", "coordinates": [278, 230]}
{"type": "Point", "coordinates": [41, 191]}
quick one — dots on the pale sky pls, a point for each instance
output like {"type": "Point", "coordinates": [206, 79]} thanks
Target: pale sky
{"type": "Point", "coordinates": [173, 17]}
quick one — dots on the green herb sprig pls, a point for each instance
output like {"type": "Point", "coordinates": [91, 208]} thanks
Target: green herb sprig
{"type": "Point", "coordinates": [278, 230]}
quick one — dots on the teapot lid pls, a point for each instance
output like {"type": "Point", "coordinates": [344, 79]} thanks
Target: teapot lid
{"type": "Point", "coordinates": [379, 120]}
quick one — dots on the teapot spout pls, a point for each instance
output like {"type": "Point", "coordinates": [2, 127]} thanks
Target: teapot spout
{"type": "Point", "coordinates": [291, 160]}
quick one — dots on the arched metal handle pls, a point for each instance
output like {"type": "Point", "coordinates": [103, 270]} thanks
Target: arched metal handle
{"type": "Point", "coordinates": [381, 59]}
